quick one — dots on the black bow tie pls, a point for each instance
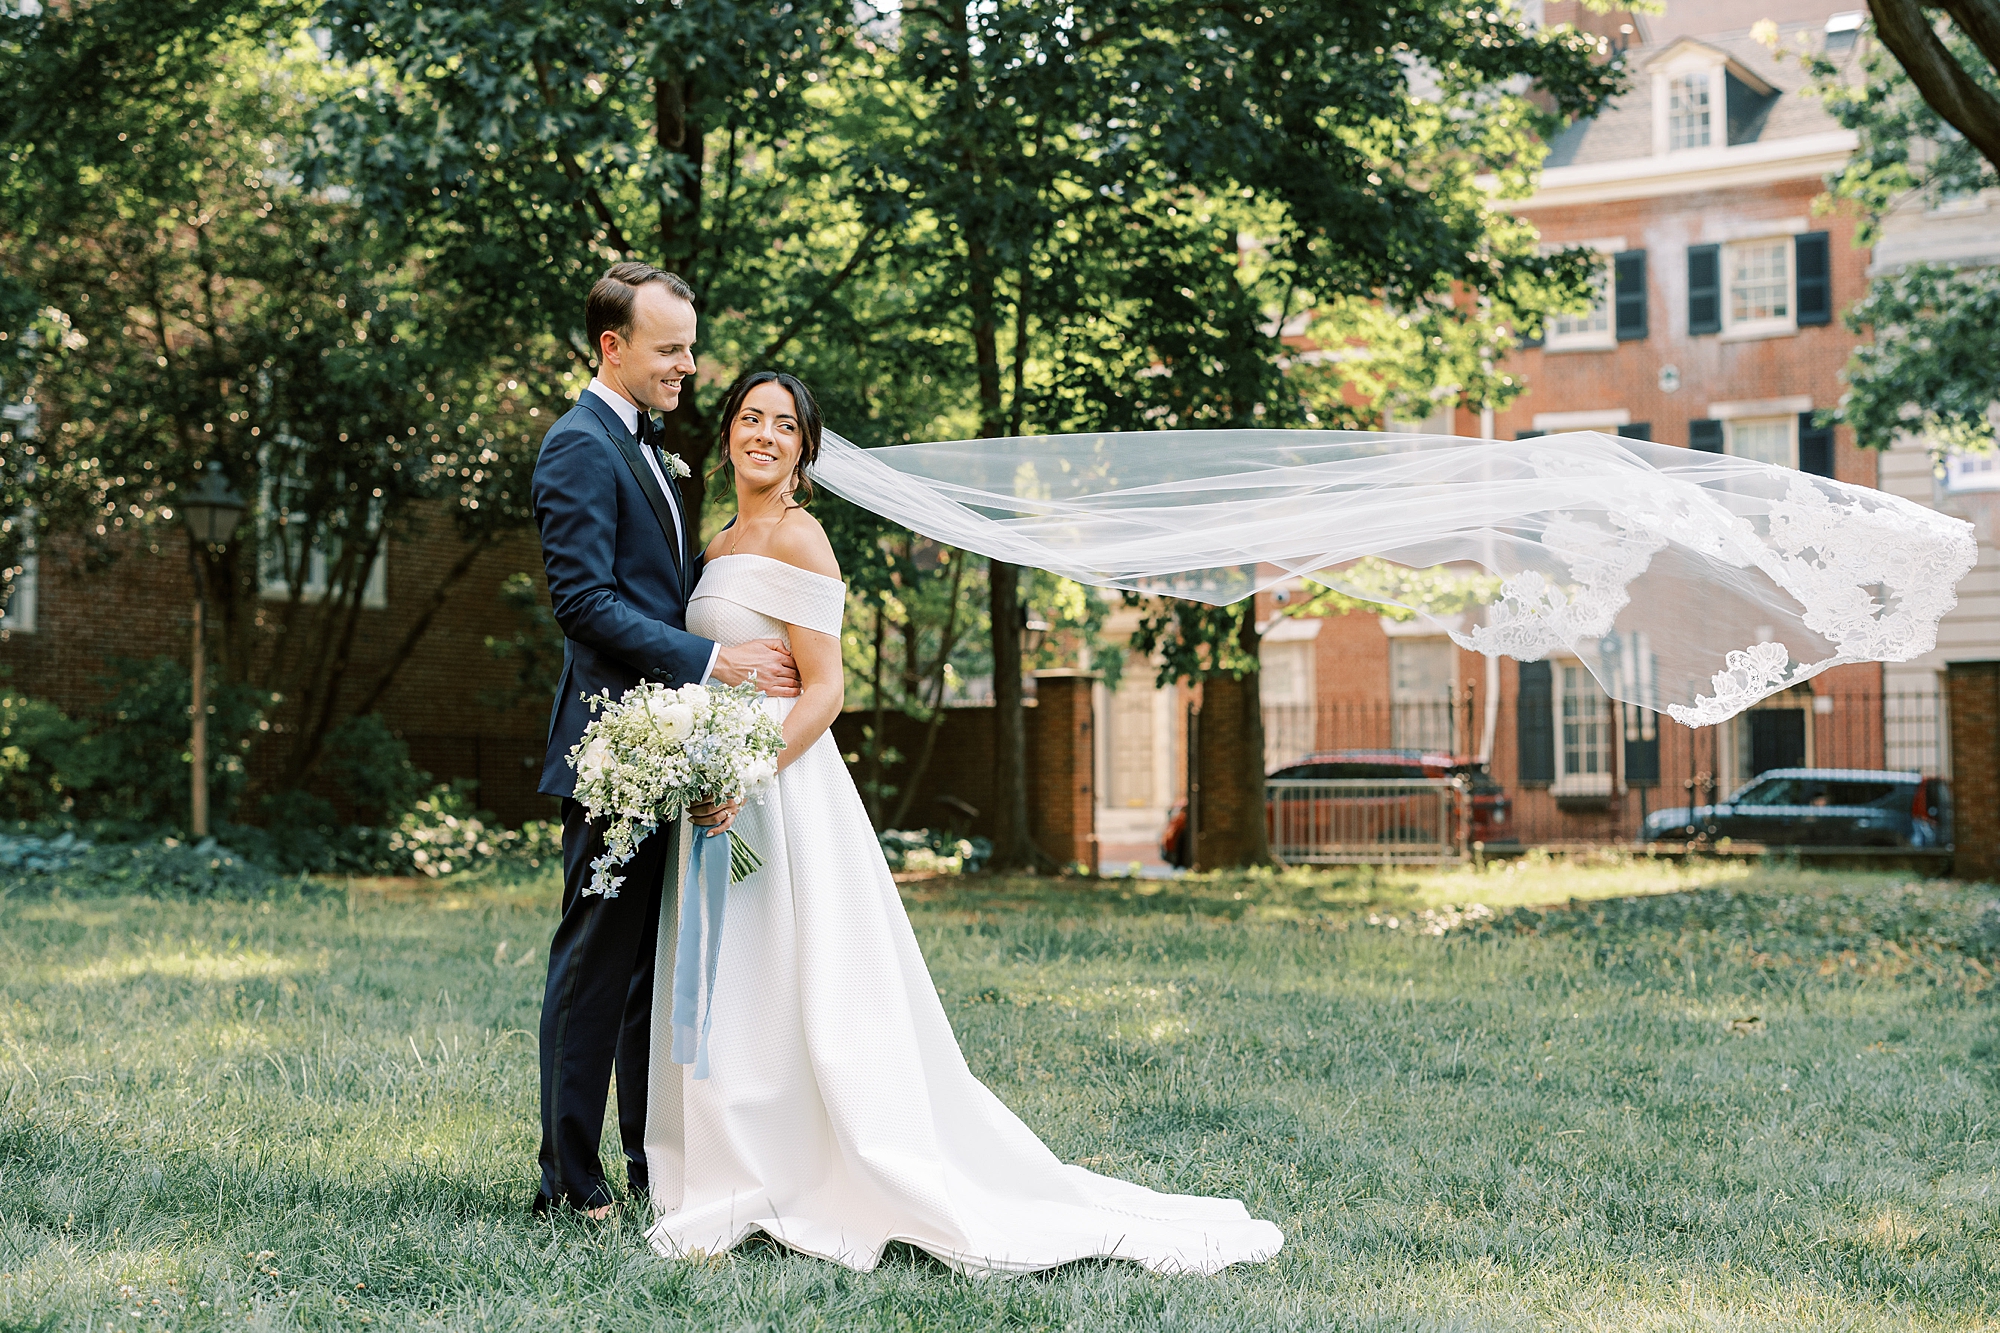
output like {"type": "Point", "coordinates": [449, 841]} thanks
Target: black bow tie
{"type": "Point", "coordinates": [649, 433]}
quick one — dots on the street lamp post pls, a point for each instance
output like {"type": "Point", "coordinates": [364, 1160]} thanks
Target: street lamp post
{"type": "Point", "coordinates": [211, 510]}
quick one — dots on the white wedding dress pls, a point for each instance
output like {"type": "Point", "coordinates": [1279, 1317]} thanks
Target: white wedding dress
{"type": "Point", "coordinates": [838, 1114]}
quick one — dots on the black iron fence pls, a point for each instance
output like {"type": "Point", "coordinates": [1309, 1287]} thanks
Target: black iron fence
{"type": "Point", "coordinates": [1575, 767]}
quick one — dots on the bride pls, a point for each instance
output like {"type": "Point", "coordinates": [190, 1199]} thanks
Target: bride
{"type": "Point", "coordinates": [838, 1114]}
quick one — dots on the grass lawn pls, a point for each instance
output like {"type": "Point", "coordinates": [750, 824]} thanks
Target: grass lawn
{"type": "Point", "coordinates": [1754, 1098]}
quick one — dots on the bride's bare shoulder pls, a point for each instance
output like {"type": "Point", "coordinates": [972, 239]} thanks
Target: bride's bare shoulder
{"type": "Point", "coordinates": [800, 540]}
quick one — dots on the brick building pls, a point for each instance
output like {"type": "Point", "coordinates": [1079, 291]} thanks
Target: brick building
{"type": "Point", "coordinates": [1717, 328]}
{"type": "Point", "coordinates": [66, 618]}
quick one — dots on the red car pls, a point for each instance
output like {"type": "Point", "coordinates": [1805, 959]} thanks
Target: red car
{"type": "Point", "coordinates": [1385, 815]}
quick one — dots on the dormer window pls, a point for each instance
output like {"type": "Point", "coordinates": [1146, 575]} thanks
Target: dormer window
{"type": "Point", "coordinates": [1688, 112]}
{"type": "Point", "coordinates": [1704, 99]}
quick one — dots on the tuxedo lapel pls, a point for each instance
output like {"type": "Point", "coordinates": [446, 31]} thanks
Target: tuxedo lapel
{"type": "Point", "coordinates": [662, 507]}
{"type": "Point", "coordinates": [628, 448]}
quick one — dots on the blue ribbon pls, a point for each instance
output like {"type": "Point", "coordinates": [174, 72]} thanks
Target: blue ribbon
{"type": "Point", "coordinates": [703, 894]}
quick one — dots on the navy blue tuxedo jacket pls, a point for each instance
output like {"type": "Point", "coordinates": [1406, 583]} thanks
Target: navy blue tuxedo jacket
{"type": "Point", "coordinates": [618, 581]}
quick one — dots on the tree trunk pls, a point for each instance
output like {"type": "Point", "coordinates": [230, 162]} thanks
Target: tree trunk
{"type": "Point", "coordinates": [1905, 28]}
{"type": "Point", "coordinates": [947, 641]}
{"type": "Point", "coordinates": [686, 430]}
{"type": "Point", "coordinates": [1013, 846]}
{"type": "Point", "coordinates": [1256, 841]}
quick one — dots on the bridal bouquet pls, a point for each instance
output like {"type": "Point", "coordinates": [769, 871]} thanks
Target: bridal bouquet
{"type": "Point", "coordinates": [658, 751]}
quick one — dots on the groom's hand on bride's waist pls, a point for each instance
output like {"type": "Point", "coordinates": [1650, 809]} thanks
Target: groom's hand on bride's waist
{"type": "Point", "coordinates": [766, 663]}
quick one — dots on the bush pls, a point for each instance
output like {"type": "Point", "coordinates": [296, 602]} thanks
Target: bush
{"type": "Point", "coordinates": [36, 741]}
{"type": "Point", "coordinates": [136, 767]}
{"type": "Point", "coordinates": [443, 834]}
{"type": "Point", "coordinates": [370, 767]}
{"type": "Point", "coordinates": [73, 867]}
{"type": "Point", "coordinates": [30, 854]}
{"type": "Point", "coordinates": [933, 852]}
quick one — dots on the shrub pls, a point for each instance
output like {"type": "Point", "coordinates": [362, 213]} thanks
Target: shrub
{"type": "Point", "coordinates": [933, 852]}
{"type": "Point", "coordinates": [136, 767]}
{"type": "Point", "coordinates": [69, 866]}
{"type": "Point", "coordinates": [443, 834]}
{"type": "Point", "coordinates": [36, 741]}
{"type": "Point", "coordinates": [370, 767]}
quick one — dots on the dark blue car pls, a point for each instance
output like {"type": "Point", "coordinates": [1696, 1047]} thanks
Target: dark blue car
{"type": "Point", "coordinates": [1823, 807]}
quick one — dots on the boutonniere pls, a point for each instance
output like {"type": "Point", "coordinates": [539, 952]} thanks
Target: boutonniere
{"type": "Point", "coordinates": [676, 466]}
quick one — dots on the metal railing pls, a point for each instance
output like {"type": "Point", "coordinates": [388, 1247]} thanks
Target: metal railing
{"type": "Point", "coordinates": [1345, 821]}
{"type": "Point", "coordinates": [1638, 768]}
{"type": "Point", "coordinates": [1440, 726]}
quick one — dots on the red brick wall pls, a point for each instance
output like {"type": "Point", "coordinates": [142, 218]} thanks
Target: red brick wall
{"type": "Point", "coordinates": [1975, 767]}
{"type": "Point", "coordinates": [1062, 802]}
{"type": "Point", "coordinates": [1711, 370]}
{"type": "Point", "coordinates": [139, 606]}
{"type": "Point", "coordinates": [1230, 806]}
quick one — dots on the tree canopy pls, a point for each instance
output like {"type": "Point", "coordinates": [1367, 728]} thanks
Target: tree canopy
{"type": "Point", "coordinates": [1929, 368]}
{"type": "Point", "coordinates": [341, 245]}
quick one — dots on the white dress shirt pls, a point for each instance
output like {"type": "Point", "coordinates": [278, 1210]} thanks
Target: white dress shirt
{"type": "Point", "coordinates": [628, 413]}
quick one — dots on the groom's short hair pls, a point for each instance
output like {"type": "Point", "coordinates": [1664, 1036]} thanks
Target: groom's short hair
{"type": "Point", "coordinates": [609, 306]}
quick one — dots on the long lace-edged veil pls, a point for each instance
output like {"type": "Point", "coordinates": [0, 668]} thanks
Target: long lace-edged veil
{"type": "Point", "coordinates": [1691, 583]}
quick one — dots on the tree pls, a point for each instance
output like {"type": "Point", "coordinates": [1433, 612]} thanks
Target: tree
{"type": "Point", "coordinates": [527, 145]}
{"type": "Point", "coordinates": [1950, 63]}
{"type": "Point", "coordinates": [1134, 198]}
{"type": "Point", "coordinates": [1920, 104]}
{"type": "Point", "coordinates": [197, 304]}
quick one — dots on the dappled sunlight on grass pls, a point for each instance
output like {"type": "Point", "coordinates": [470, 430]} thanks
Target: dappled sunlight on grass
{"type": "Point", "coordinates": [181, 966]}
{"type": "Point", "coordinates": [1533, 880]}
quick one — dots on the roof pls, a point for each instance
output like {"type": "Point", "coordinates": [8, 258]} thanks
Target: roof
{"type": "Point", "coordinates": [1624, 130]}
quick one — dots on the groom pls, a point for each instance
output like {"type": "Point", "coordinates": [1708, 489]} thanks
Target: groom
{"type": "Point", "coordinates": [622, 562]}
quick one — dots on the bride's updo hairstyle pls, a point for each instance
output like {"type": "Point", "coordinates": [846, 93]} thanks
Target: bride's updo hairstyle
{"type": "Point", "coordinates": [809, 426]}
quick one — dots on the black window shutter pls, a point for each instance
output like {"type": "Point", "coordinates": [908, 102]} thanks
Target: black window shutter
{"type": "Point", "coordinates": [1628, 282]}
{"type": "Point", "coordinates": [1529, 434]}
{"type": "Point", "coordinates": [1704, 289]}
{"type": "Point", "coordinates": [1638, 430]}
{"type": "Point", "coordinates": [1815, 447]}
{"type": "Point", "coordinates": [1814, 267]}
{"type": "Point", "coordinates": [1535, 723]}
{"type": "Point", "coordinates": [1642, 758]}
{"type": "Point", "coordinates": [1705, 436]}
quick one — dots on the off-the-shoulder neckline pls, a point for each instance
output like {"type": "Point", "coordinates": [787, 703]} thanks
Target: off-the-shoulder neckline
{"type": "Point", "coordinates": [772, 559]}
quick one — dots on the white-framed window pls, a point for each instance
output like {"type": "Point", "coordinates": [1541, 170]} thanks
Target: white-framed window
{"type": "Point", "coordinates": [1585, 734]}
{"type": "Point", "coordinates": [1772, 440]}
{"type": "Point", "coordinates": [1421, 679]}
{"type": "Point", "coordinates": [281, 528]}
{"type": "Point", "coordinates": [23, 421]}
{"type": "Point", "coordinates": [1757, 287]}
{"type": "Point", "coordinates": [1972, 472]}
{"type": "Point", "coordinates": [1287, 682]}
{"type": "Point", "coordinates": [1690, 117]}
{"type": "Point", "coordinates": [1591, 330]}
{"type": "Point", "coordinates": [23, 597]}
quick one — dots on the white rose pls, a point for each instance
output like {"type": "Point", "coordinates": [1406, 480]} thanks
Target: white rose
{"type": "Point", "coordinates": [759, 771]}
{"type": "Point", "coordinates": [596, 758]}
{"type": "Point", "coordinates": [675, 719]}
{"type": "Point", "coordinates": [694, 696]}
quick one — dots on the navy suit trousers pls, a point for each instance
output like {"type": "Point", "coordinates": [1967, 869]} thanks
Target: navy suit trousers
{"type": "Point", "coordinates": [597, 1013]}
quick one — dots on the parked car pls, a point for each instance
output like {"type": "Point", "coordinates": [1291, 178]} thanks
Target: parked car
{"type": "Point", "coordinates": [1384, 816]}
{"type": "Point", "coordinates": [1819, 807]}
